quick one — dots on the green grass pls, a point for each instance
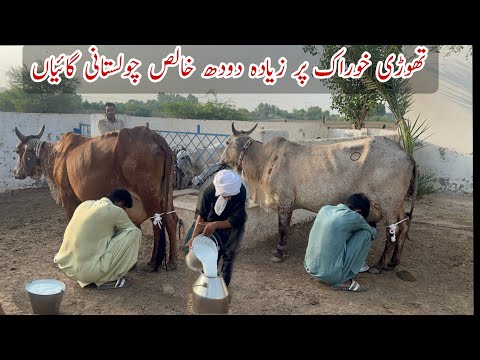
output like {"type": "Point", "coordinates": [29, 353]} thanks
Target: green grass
{"type": "Point", "coordinates": [426, 181]}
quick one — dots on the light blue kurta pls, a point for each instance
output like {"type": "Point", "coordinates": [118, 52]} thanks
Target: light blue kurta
{"type": "Point", "coordinates": [338, 244]}
{"type": "Point", "coordinates": [100, 243]}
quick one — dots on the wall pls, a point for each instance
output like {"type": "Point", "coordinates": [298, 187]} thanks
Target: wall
{"type": "Point", "coordinates": [449, 110]}
{"type": "Point", "coordinates": [297, 130]}
{"type": "Point", "coordinates": [350, 133]}
{"type": "Point", "coordinates": [28, 124]}
{"type": "Point", "coordinates": [453, 170]}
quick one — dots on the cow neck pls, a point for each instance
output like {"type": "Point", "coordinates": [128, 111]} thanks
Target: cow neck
{"type": "Point", "coordinates": [45, 154]}
{"type": "Point", "coordinates": [249, 168]}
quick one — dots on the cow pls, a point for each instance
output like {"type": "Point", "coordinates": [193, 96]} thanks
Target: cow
{"type": "Point", "coordinates": [192, 164]}
{"type": "Point", "coordinates": [283, 175]}
{"type": "Point", "coordinates": [79, 168]}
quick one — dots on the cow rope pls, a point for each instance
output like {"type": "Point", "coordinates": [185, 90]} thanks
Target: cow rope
{"type": "Point", "coordinates": [157, 218]}
{"type": "Point", "coordinates": [393, 229]}
{"type": "Point", "coordinates": [38, 148]}
{"type": "Point", "coordinates": [242, 154]}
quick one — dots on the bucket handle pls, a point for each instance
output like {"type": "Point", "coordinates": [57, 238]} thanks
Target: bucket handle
{"type": "Point", "coordinates": [216, 241]}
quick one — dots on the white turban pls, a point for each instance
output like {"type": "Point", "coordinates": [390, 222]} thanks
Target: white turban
{"type": "Point", "coordinates": [227, 183]}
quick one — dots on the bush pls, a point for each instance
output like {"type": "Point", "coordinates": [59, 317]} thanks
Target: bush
{"type": "Point", "coordinates": [426, 182]}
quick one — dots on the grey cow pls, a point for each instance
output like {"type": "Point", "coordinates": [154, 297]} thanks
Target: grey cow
{"type": "Point", "coordinates": [283, 175]}
{"type": "Point", "coordinates": [191, 164]}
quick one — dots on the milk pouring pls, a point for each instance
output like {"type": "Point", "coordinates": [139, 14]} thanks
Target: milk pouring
{"type": "Point", "coordinates": [210, 293]}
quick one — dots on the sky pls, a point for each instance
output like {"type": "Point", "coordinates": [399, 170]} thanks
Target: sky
{"type": "Point", "coordinates": [12, 56]}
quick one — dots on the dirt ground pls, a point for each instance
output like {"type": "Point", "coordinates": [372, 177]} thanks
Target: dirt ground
{"type": "Point", "coordinates": [435, 276]}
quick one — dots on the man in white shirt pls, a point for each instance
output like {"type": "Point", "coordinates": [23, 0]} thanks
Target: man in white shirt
{"type": "Point", "coordinates": [111, 123]}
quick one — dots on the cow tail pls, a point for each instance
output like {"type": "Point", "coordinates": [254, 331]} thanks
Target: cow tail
{"type": "Point", "coordinates": [167, 182]}
{"type": "Point", "coordinates": [415, 188]}
{"type": "Point", "coordinates": [170, 162]}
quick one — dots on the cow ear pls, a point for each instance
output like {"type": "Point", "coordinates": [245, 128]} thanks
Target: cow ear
{"type": "Point", "coordinates": [29, 160]}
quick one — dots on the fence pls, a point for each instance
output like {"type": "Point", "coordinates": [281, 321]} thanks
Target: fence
{"type": "Point", "coordinates": [198, 156]}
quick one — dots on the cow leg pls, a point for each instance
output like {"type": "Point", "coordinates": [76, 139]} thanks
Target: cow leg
{"type": "Point", "coordinates": [170, 225]}
{"type": "Point", "coordinates": [171, 221]}
{"type": "Point", "coordinates": [284, 218]}
{"type": "Point", "coordinates": [70, 203]}
{"type": "Point", "coordinates": [151, 208]}
{"type": "Point", "coordinates": [404, 228]}
{"type": "Point", "coordinates": [385, 259]}
{"type": "Point", "coordinates": [156, 237]}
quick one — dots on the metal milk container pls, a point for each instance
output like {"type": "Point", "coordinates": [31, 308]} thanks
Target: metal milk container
{"type": "Point", "coordinates": [209, 293]}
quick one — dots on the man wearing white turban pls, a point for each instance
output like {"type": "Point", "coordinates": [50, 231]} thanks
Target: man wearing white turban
{"type": "Point", "coordinates": [221, 212]}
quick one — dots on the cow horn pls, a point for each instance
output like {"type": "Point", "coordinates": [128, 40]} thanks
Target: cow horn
{"type": "Point", "coordinates": [234, 131]}
{"type": "Point", "coordinates": [19, 134]}
{"type": "Point", "coordinates": [250, 131]}
{"type": "Point", "coordinates": [40, 133]}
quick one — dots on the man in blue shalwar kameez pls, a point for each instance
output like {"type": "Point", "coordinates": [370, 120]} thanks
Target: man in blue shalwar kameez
{"type": "Point", "coordinates": [339, 242]}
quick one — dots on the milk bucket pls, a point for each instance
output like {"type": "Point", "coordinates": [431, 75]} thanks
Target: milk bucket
{"type": "Point", "coordinates": [192, 261]}
{"type": "Point", "coordinates": [45, 296]}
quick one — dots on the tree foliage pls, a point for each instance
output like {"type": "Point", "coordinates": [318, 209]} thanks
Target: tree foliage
{"type": "Point", "coordinates": [25, 95]}
{"type": "Point", "coordinates": [351, 97]}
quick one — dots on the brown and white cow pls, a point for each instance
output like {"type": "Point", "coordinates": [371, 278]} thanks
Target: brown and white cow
{"type": "Point", "coordinates": [283, 175]}
{"type": "Point", "coordinates": [79, 168]}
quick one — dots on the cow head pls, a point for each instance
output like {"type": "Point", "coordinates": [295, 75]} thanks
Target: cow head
{"type": "Point", "coordinates": [234, 146]}
{"type": "Point", "coordinates": [27, 160]}
{"type": "Point", "coordinates": [184, 162]}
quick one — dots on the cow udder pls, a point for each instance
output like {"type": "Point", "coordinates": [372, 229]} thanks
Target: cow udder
{"type": "Point", "coordinates": [137, 213]}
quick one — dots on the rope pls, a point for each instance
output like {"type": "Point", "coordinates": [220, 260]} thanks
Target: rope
{"type": "Point", "coordinates": [242, 154]}
{"type": "Point", "coordinates": [38, 148]}
{"type": "Point", "coordinates": [393, 229]}
{"type": "Point", "coordinates": [157, 218]}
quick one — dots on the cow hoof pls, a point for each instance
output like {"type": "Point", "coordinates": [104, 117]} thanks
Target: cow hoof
{"type": "Point", "coordinates": [171, 266]}
{"type": "Point", "coordinates": [277, 259]}
{"type": "Point", "coordinates": [148, 268]}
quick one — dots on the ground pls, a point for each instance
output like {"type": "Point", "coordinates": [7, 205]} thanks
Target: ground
{"type": "Point", "coordinates": [435, 275]}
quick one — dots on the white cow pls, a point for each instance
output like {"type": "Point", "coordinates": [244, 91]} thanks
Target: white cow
{"type": "Point", "coordinates": [192, 164]}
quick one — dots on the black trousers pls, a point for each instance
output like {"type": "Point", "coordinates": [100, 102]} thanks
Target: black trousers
{"type": "Point", "coordinates": [229, 240]}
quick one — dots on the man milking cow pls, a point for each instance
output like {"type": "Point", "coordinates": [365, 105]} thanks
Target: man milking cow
{"type": "Point", "coordinates": [101, 243]}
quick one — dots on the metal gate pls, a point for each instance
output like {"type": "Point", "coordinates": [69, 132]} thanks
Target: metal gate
{"type": "Point", "coordinates": [198, 156]}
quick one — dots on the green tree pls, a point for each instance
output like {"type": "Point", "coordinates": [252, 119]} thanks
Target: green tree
{"type": "Point", "coordinates": [314, 113]}
{"type": "Point", "coordinates": [267, 111]}
{"type": "Point", "coordinates": [137, 108]}
{"type": "Point", "coordinates": [379, 110]}
{"type": "Point", "coordinates": [181, 109]}
{"type": "Point", "coordinates": [351, 97]}
{"type": "Point", "coordinates": [164, 98]}
{"type": "Point", "coordinates": [25, 95]}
